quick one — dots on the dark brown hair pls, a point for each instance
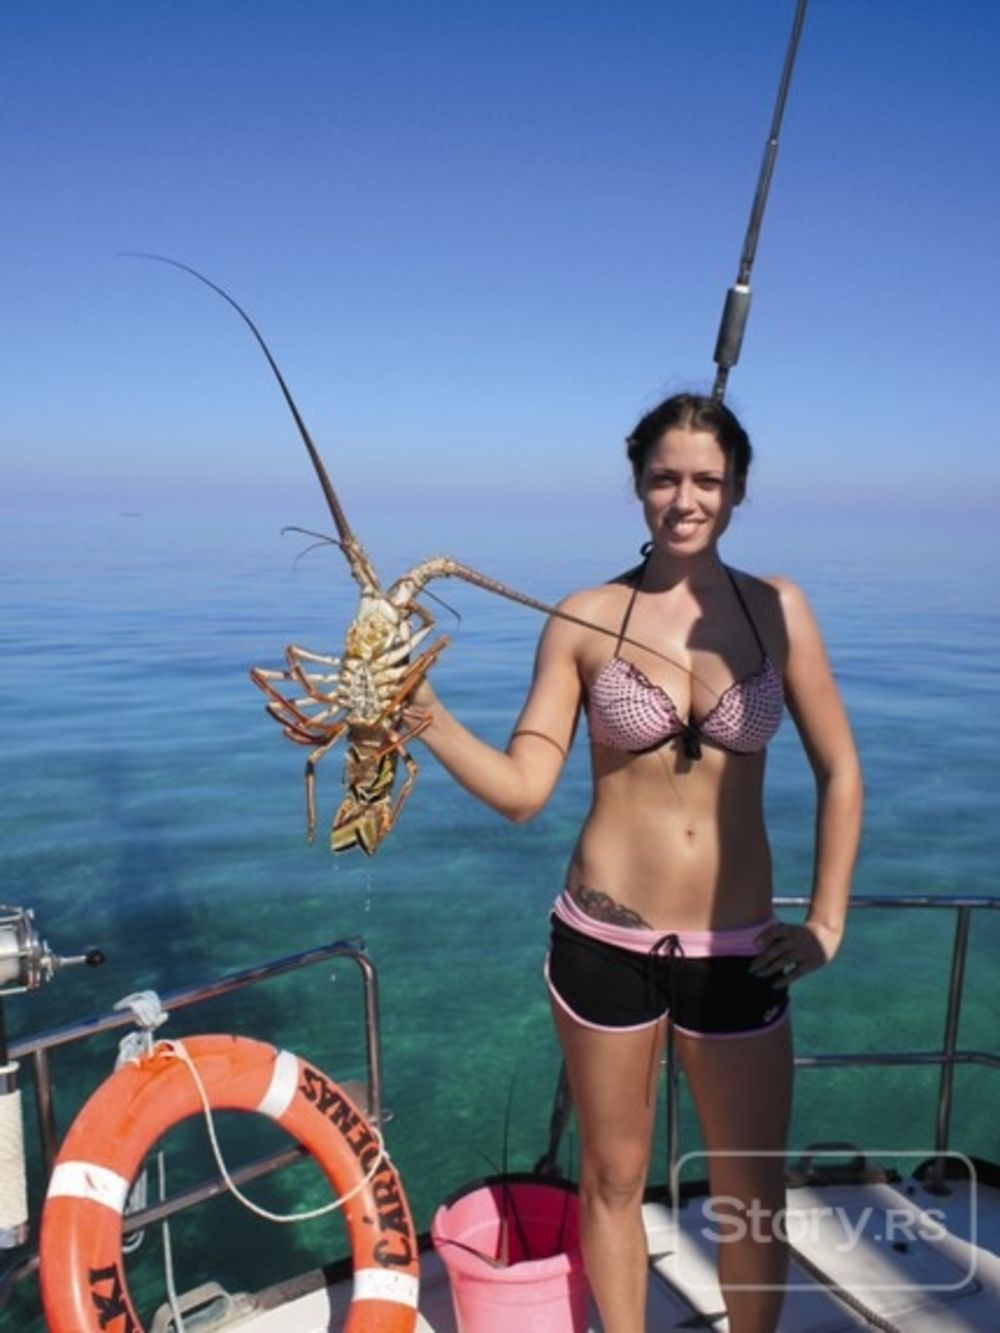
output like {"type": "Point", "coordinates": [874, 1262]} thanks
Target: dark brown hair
{"type": "Point", "coordinates": [691, 411]}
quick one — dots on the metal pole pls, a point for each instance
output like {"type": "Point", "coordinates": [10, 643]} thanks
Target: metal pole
{"type": "Point", "coordinates": [373, 1046]}
{"type": "Point", "coordinates": [737, 306]}
{"type": "Point", "coordinates": [45, 1110]}
{"type": "Point", "coordinates": [958, 956]}
{"type": "Point", "coordinates": [673, 1122]}
{"type": "Point", "coordinates": [562, 1109]}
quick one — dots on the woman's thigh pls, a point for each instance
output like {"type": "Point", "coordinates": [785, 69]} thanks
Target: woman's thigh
{"type": "Point", "coordinates": [742, 1091]}
{"type": "Point", "coordinates": [613, 1081]}
{"type": "Point", "coordinates": [741, 1087]}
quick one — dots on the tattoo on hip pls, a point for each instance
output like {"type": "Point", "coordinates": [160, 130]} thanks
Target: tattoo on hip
{"type": "Point", "coordinates": [602, 907]}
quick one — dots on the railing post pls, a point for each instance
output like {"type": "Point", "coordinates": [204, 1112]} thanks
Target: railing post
{"type": "Point", "coordinates": [562, 1109]}
{"type": "Point", "coordinates": [946, 1084]}
{"type": "Point", "coordinates": [373, 1029]}
{"type": "Point", "coordinates": [673, 1125]}
{"type": "Point", "coordinates": [45, 1111]}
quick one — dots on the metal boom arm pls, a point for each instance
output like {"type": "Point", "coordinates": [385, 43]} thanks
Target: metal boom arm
{"type": "Point", "coordinates": [737, 306]}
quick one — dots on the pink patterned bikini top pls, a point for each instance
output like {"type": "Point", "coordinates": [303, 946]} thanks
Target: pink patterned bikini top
{"type": "Point", "coordinates": [628, 711]}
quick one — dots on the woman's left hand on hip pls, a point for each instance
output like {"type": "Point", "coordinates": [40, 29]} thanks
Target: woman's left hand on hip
{"type": "Point", "coordinates": [789, 951]}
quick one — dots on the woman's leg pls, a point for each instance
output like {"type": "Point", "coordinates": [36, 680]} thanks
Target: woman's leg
{"type": "Point", "coordinates": [612, 1077]}
{"type": "Point", "coordinates": [742, 1090]}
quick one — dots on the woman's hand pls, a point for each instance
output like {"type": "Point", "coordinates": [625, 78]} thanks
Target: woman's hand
{"type": "Point", "coordinates": [422, 706]}
{"type": "Point", "coordinates": [789, 951]}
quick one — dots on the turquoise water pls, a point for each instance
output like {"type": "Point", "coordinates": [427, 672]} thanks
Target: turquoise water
{"type": "Point", "coordinates": [149, 806]}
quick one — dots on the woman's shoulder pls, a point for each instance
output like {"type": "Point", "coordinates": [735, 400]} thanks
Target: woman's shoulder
{"type": "Point", "coordinates": [779, 608]}
{"type": "Point", "coordinates": [791, 597]}
{"type": "Point", "coordinates": [604, 598]}
{"type": "Point", "coordinates": [598, 608]}
{"type": "Point", "coordinates": [782, 612]}
{"type": "Point", "coordinates": [770, 589]}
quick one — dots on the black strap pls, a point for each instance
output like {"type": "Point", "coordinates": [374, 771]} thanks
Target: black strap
{"type": "Point", "coordinates": [746, 611]}
{"type": "Point", "coordinates": [625, 620]}
{"type": "Point", "coordinates": [631, 600]}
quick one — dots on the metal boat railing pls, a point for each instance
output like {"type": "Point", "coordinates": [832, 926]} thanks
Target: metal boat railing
{"type": "Point", "coordinates": [36, 1049]}
{"type": "Point", "coordinates": [947, 1057]}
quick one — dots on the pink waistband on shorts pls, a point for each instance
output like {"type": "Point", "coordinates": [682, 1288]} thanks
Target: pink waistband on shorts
{"type": "Point", "coordinates": [740, 942]}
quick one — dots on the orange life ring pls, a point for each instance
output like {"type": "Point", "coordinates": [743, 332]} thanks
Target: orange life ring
{"type": "Point", "coordinates": [84, 1289]}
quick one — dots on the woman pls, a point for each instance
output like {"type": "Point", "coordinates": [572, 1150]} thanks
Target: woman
{"type": "Point", "coordinates": [666, 913]}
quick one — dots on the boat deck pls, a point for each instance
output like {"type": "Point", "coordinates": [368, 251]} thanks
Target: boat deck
{"type": "Point", "coordinates": [867, 1251]}
{"type": "Point", "coordinates": [921, 1263]}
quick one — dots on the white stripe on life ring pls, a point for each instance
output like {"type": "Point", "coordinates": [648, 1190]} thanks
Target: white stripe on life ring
{"type": "Point", "coordinates": [87, 1180]}
{"type": "Point", "coordinates": [378, 1284]}
{"type": "Point", "coordinates": [284, 1084]}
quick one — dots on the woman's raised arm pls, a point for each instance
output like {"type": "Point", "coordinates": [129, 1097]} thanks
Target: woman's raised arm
{"type": "Point", "coordinates": [517, 781]}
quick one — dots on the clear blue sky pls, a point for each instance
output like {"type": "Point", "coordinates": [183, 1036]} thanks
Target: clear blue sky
{"type": "Point", "coordinates": [483, 237]}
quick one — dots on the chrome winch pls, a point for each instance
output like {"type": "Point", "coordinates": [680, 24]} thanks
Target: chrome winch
{"type": "Point", "coordinates": [26, 963]}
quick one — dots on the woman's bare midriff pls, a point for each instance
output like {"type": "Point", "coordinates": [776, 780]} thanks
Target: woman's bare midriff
{"type": "Point", "coordinates": [675, 843]}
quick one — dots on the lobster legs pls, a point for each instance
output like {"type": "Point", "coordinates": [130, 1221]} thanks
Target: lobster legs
{"type": "Point", "coordinates": [368, 810]}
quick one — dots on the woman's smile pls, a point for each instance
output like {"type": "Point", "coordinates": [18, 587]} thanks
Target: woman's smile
{"type": "Point", "coordinates": [683, 527]}
{"type": "Point", "coordinates": [687, 488]}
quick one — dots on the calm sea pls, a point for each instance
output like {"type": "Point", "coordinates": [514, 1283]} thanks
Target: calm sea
{"type": "Point", "coordinates": [150, 807]}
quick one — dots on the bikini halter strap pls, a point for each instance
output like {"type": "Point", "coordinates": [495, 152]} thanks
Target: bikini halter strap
{"type": "Point", "coordinates": [746, 611]}
{"type": "Point", "coordinates": [646, 551]}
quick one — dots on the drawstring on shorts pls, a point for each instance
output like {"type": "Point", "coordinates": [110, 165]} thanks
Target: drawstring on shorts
{"type": "Point", "coordinates": [667, 948]}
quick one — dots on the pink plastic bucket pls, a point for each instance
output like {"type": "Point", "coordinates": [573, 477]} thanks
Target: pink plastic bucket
{"type": "Point", "coordinates": [530, 1222]}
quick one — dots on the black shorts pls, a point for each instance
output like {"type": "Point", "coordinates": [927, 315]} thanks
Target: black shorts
{"type": "Point", "coordinates": [604, 986]}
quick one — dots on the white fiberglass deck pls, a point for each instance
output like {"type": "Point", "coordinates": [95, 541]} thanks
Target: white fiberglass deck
{"type": "Point", "coordinates": [923, 1281]}
{"type": "Point", "coordinates": [901, 1256]}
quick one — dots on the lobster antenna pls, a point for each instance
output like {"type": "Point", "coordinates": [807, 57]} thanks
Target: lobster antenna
{"type": "Point", "coordinates": [441, 602]}
{"type": "Point", "coordinates": [339, 518]}
{"type": "Point", "coordinates": [737, 307]}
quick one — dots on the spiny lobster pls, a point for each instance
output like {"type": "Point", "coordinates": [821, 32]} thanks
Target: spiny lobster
{"type": "Point", "coordinates": [364, 691]}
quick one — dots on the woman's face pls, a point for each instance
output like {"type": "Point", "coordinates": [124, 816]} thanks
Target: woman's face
{"type": "Point", "coordinates": [688, 491]}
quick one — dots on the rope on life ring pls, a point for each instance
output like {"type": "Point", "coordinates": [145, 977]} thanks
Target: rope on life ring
{"type": "Point", "coordinates": [83, 1282]}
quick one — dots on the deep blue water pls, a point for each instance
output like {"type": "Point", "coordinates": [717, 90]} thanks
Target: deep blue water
{"type": "Point", "coordinates": [149, 806]}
